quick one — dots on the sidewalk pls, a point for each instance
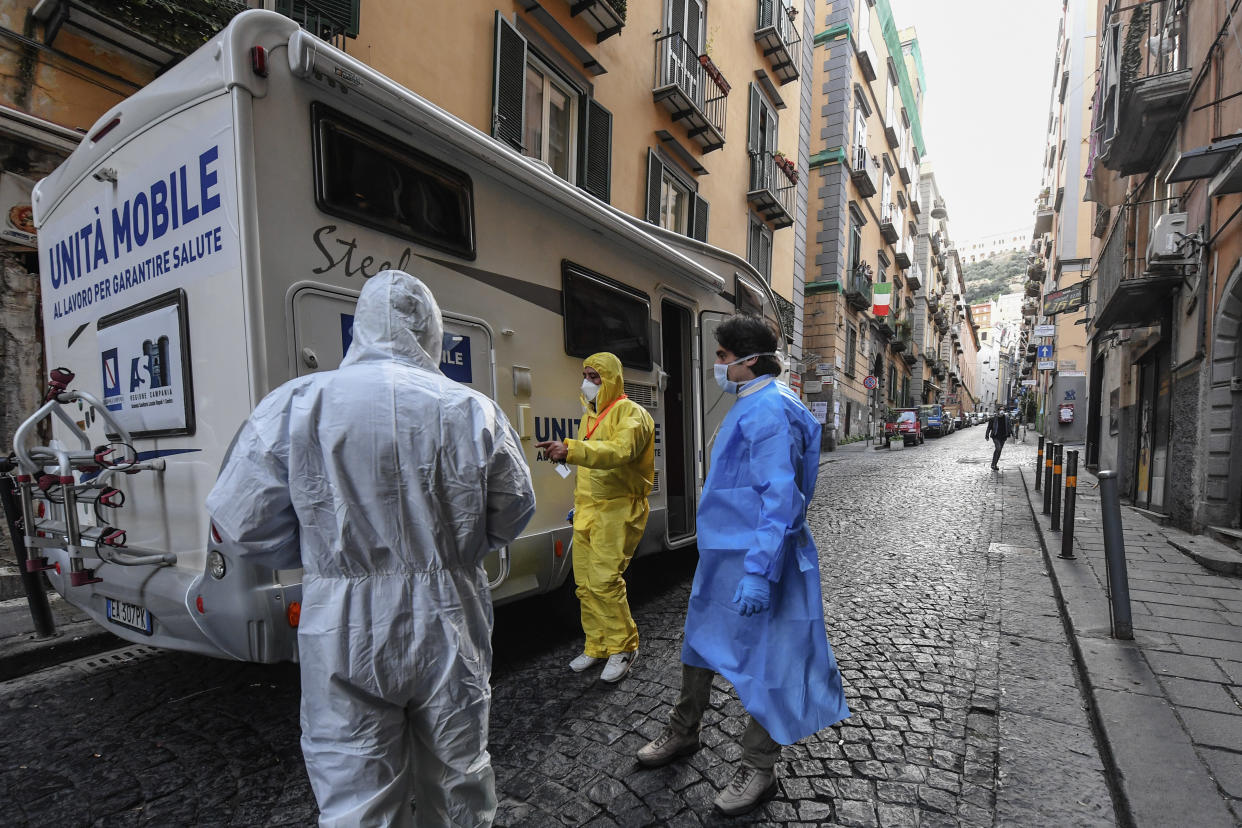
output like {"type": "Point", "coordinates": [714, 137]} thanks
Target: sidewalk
{"type": "Point", "coordinates": [22, 652]}
{"type": "Point", "coordinates": [1167, 706]}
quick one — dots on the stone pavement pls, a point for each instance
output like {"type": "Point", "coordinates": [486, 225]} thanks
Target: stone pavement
{"type": "Point", "coordinates": [1168, 705]}
{"type": "Point", "coordinates": [961, 681]}
{"type": "Point", "coordinates": [965, 708]}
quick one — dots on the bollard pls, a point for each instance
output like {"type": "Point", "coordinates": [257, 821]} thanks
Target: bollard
{"type": "Point", "coordinates": [1115, 557]}
{"type": "Point", "coordinates": [1048, 477]}
{"type": "Point", "coordinates": [1039, 464]}
{"type": "Point", "coordinates": [1071, 494]}
{"type": "Point", "coordinates": [1056, 489]}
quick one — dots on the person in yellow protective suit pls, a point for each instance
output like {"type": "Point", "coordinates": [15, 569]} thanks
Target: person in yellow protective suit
{"type": "Point", "coordinates": [615, 456]}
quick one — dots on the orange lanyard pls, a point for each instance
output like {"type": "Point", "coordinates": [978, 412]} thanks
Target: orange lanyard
{"type": "Point", "coordinates": [602, 414]}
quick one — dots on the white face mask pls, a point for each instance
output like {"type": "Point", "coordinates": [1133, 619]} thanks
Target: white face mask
{"type": "Point", "coordinates": [721, 370]}
{"type": "Point", "coordinates": [589, 390]}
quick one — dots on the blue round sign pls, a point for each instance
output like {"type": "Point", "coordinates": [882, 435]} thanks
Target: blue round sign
{"type": "Point", "coordinates": [869, 382]}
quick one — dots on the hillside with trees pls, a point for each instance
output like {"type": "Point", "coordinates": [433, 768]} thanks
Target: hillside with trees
{"type": "Point", "coordinates": [989, 278]}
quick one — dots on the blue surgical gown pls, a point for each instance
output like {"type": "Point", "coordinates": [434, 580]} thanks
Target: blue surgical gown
{"type": "Point", "coordinates": [752, 519]}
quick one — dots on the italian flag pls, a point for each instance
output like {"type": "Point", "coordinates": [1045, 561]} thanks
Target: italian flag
{"type": "Point", "coordinates": [881, 297]}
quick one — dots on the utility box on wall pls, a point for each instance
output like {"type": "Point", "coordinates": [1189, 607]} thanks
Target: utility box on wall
{"type": "Point", "coordinates": [1066, 401]}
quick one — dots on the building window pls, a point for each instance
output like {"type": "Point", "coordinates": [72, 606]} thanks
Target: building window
{"type": "Point", "coordinates": [892, 383]}
{"type": "Point", "coordinates": [673, 199]}
{"type": "Point", "coordinates": [551, 112]}
{"type": "Point", "coordinates": [672, 202]}
{"type": "Point", "coordinates": [855, 246]}
{"type": "Point", "coordinates": [759, 247]}
{"type": "Point", "coordinates": [851, 347]}
{"type": "Point", "coordinates": [542, 112]}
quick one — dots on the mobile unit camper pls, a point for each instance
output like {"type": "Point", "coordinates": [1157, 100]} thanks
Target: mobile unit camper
{"type": "Point", "coordinates": [207, 242]}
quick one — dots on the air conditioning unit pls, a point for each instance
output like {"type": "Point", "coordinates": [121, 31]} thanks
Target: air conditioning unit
{"type": "Point", "coordinates": [1167, 243]}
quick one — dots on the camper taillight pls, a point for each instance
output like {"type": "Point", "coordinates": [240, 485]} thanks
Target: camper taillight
{"type": "Point", "coordinates": [258, 60]}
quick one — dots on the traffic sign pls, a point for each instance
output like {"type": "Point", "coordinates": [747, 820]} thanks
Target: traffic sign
{"type": "Point", "coordinates": [869, 382]}
{"type": "Point", "coordinates": [1044, 352]}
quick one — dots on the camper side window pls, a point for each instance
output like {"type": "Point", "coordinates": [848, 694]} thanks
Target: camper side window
{"type": "Point", "coordinates": [370, 178]}
{"type": "Point", "coordinates": [600, 316]}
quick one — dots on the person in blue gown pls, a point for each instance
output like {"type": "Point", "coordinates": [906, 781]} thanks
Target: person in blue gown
{"type": "Point", "coordinates": [756, 614]}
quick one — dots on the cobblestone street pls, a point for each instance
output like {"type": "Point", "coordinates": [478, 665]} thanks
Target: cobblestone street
{"type": "Point", "coordinates": [966, 709]}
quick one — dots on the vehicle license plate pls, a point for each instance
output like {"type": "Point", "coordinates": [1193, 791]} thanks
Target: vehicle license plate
{"type": "Point", "coordinates": [129, 615]}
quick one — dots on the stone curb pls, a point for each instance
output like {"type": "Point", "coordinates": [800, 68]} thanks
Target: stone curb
{"type": "Point", "coordinates": [1215, 556]}
{"type": "Point", "coordinates": [21, 655]}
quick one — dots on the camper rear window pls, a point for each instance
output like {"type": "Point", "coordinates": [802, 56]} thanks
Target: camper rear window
{"type": "Point", "coordinates": [374, 180]}
{"type": "Point", "coordinates": [603, 317]}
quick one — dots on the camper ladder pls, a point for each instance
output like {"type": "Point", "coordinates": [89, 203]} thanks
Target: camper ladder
{"type": "Point", "coordinates": [51, 476]}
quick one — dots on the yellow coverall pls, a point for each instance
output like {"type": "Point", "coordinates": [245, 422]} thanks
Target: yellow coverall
{"type": "Point", "coordinates": [615, 456]}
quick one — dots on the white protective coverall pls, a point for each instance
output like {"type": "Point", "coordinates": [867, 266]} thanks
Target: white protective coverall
{"type": "Point", "coordinates": [390, 483]}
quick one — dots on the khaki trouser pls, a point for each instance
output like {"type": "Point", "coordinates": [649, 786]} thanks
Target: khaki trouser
{"type": "Point", "coordinates": [759, 750]}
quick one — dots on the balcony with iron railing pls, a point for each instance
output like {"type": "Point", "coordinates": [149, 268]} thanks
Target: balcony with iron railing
{"type": "Point", "coordinates": [1131, 291]}
{"type": "Point", "coordinates": [778, 36]}
{"type": "Point", "coordinates": [605, 17]}
{"type": "Point", "coordinates": [914, 277]}
{"type": "Point", "coordinates": [692, 89]}
{"type": "Point", "coordinates": [772, 188]}
{"type": "Point", "coordinates": [901, 334]}
{"type": "Point", "coordinates": [904, 166]}
{"type": "Point", "coordinates": [858, 287]}
{"type": "Point", "coordinates": [889, 219]}
{"type": "Point", "coordinates": [863, 49]}
{"type": "Point", "coordinates": [916, 206]}
{"type": "Point", "coordinates": [321, 22]}
{"type": "Point", "coordinates": [864, 171]}
{"type": "Point", "coordinates": [904, 254]}
{"type": "Point", "coordinates": [1044, 214]}
{"type": "Point", "coordinates": [892, 128]}
{"type": "Point", "coordinates": [1137, 119]}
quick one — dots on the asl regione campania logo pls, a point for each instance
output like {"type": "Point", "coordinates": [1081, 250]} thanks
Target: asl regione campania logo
{"type": "Point", "coordinates": [111, 380]}
{"type": "Point", "coordinates": [148, 371]}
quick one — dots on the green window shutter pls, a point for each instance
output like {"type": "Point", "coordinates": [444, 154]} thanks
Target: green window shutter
{"type": "Point", "coordinates": [508, 84]}
{"type": "Point", "coordinates": [698, 218]}
{"type": "Point", "coordinates": [596, 153]}
{"type": "Point", "coordinates": [344, 13]}
{"type": "Point", "coordinates": [655, 175]}
{"type": "Point", "coordinates": [752, 138]}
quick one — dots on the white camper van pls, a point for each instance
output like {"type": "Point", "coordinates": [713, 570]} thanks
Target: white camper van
{"type": "Point", "coordinates": [207, 242]}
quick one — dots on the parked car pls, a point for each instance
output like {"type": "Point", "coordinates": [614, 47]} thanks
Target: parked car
{"type": "Point", "coordinates": [909, 423]}
{"type": "Point", "coordinates": [961, 420]}
{"type": "Point", "coordinates": [934, 420]}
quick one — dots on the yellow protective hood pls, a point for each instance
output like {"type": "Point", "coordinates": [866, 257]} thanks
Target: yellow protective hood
{"type": "Point", "coordinates": [613, 384]}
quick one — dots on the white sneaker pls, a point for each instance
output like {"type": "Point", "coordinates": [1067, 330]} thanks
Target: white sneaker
{"type": "Point", "coordinates": [618, 665]}
{"type": "Point", "coordinates": [584, 662]}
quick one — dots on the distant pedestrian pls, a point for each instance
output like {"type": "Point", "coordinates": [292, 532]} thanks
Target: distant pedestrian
{"type": "Point", "coordinates": [999, 431]}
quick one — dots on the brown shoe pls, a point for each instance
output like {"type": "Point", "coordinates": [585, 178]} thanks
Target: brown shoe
{"type": "Point", "coordinates": [747, 789]}
{"type": "Point", "coordinates": [666, 747]}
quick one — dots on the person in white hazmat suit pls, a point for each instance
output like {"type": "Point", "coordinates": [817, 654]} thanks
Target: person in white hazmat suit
{"type": "Point", "coordinates": [388, 483]}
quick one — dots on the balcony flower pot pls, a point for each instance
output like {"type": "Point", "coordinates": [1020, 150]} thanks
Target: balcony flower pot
{"type": "Point", "coordinates": [791, 13]}
{"type": "Point", "coordinates": [714, 73]}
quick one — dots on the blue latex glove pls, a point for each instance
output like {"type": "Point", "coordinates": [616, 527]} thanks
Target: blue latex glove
{"type": "Point", "coordinates": [753, 593]}
{"type": "Point", "coordinates": [570, 517]}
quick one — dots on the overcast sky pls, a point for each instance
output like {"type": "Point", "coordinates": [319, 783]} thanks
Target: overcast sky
{"type": "Point", "coordinates": [989, 77]}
